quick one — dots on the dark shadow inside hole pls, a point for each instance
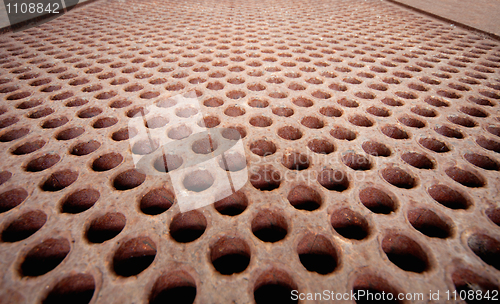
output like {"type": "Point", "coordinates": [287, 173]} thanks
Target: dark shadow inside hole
{"type": "Point", "coordinates": [187, 234]}
{"type": "Point", "coordinates": [231, 263]}
{"type": "Point", "coordinates": [270, 234]}
{"type": "Point", "coordinates": [407, 262]}
{"type": "Point", "coordinates": [177, 295]}
{"type": "Point", "coordinates": [318, 262]}
{"type": "Point", "coordinates": [133, 265]}
{"type": "Point", "coordinates": [273, 293]}
{"type": "Point", "coordinates": [353, 232]}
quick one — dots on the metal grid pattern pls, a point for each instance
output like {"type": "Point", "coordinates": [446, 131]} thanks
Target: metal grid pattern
{"type": "Point", "coordinates": [372, 140]}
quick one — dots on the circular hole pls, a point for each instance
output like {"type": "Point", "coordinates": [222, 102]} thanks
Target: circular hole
{"type": "Point", "coordinates": [283, 111]}
{"type": "Point", "coordinates": [12, 198]}
{"type": "Point", "coordinates": [365, 95]}
{"type": "Point", "coordinates": [342, 133]}
{"type": "Point", "coordinates": [302, 102]}
{"type": "Point", "coordinates": [4, 176]}
{"type": "Point", "coordinates": [465, 177]}
{"type": "Point", "coordinates": [473, 112]}
{"type": "Point", "coordinates": [424, 111]}
{"type": "Point", "coordinates": [55, 122]}
{"type": "Point", "coordinates": [429, 223]}
{"type": "Point", "coordinates": [320, 146]}
{"type": "Point", "coordinates": [436, 101]}
{"type": "Point", "coordinates": [188, 226]}
{"type": "Point", "coordinates": [411, 122]}
{"type": "Point", "coordinates": [177, 86]}
{"type": "Point", "coordinates": [156, 201]}
{"type": "Point", "coordinates": [448, 197]}
{"type": "Point", "coordinates": [41, 113]}
{"type": "Point", "coordinates": [232, 205]}
{"type": "Point", "coordinates": [230, 255]}
{"type": "Point", "coordinates": [338, 87]}
{"type": "Point", "coordinates": [375, 285]}
{"type": "Point", "coordinates": [462, 121]}
{"type": "Point", "coordinates": [232, 161]}
{"type": "Point", "coordinates": [205, 145]}
{"type": "Point", "coordinates": [418, 160]}
{"type": "Point", "coordinates": [289, 133]}
{"type": "Point", "coordinates": [14, 134]}
{"type": "Point", "coordinates": [24, 226]}
{"type": "Point", "coordinates": [133, 88]}
{"type": "Point", "coordinates": [376, 149]}
{"type": "Point", "coordinates": [481, 101]}
{"type": "Point", "coordinates": [312, 122]}
{"type": "Point", "coordinates": [269, 226]}
{"type": "Point", "coordinates": [85, 148]}
{"type": "Point", "coordinates": [482, 161]}
{"type": "Point", "coordinates": [145, 146]}
{"type": "Point", "coordinates": [261, 121]}
{"type": "Point", "coordinates": [434, 145]}
{"type": "Point", "coordinates": [80, 201]}
{"type": "Point", "coordinates": [394, 132]}
{"type": "Point", "coordinates": [107, 161]}
{"type": "Point", "coordinates": [392, 102]}
{"type": "Point", "coordinates": [304, 198]}
{"type": "Point", "coordinates": [360, 120]}
{"type": "Point", "coordinates": [295, 161]}
{"type": "Point", "coordinates": [209, 122]}
{"type": "Point", "coordinates": [350, 224]}
{"type": "Point", "coordinates": [274, 286]}
{"type": "Point", "coordinates": [89, 112]}
{"type": "Point", "coordinates": [134, 256]}
{"type": "Point", "coordinates": [177, 285]}
{"type": "Point", "coordinates": [356, 161]}
{"type": "Point", "coordinates": [128, 179]}
{"type": "Point", "coordinates": [70, 133]}
{"type": "Point", "coordinates": [399, 178]}
{"type": "Point", "coordinates": [179, 132]}
{"type": "Point", "coordinates": [120, 103]}
{"type": "Point", "coordinates": [76, 288]}
{"type": "Point", "coordinates": [485, 247]}
{"type": "Point", "coordinates": [120, 81]}
{"type": "Point", "coordinates": [449, 94]}
{"type": "Point", "coordinates": [377, 201]}
{"type": "Point", "coordinates": [449, 132]}
{"type": "Point", "coordinates": [468, 282]}
{"type": "Point", "coordinates": [334, 180]}
{"type": "Point", "coordinates": [258, 103]}
{"type": "Point", "coordinates": [317, 254]}
{"type": "Point", "coordinates": [405, 253]}
{"type": "Point", "coordinates": [77, 102]}
{"type": "Point", "coordinates": [19, 95]}
{"type": "Point", "coordinates": [234, 111]}
{"type": "Point", "coordinates": [350, 103]}
{"type": "Point", "coordinates": [104, 122]}
{"type": "Point", "coordinates": [105, 95]}
{"type": "Point", "coordinates": [493, 130]}
{"type": "Point", "coordinates": [330, 111]}
{"type": "Point", "coordinates": [8, 122]}
{"type": "Point", "coordinates": [234, 133]}
{"type": "Point", "coordinates": [216, 85]}
{"type": "Point", "coordinates": [59, 180]}
{"type": "Point", "coordinates": [488, 144]}
{"type": "Point", "coordinates": [376, 111]}
{"type": "Point", "coordinates": [278, 95]}
{"type": "Point", "coordinates": [198, 181]}
{"type": "Point", "coordinates": [106, 227]}
{"type": "Point", "coordinates": [43, 162]}
{"type": "Point", "coordinates": [266, 179]}
{"type": "Point", "coordinates": [494, 215]}
{"type": "Point", "coordinates": [44, 257]}
{"type": "Point", "coordinates": [155, 122]}
{"type": "Point", "coordinates": [256, 87]}
{"type": "Point", "coordinates": [263, 147]}
{"type": "Point", "coordinates": [213, 102]}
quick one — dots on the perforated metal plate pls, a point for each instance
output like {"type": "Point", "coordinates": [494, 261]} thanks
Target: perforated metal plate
{"type": "Point", "coordinates": [371, 136]}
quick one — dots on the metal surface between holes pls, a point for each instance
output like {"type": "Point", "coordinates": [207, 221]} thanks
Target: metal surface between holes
{"type": "Point", "coordinates": [381, 72]}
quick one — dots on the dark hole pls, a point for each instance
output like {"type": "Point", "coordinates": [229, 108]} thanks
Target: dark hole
{"type": "Point", "coordinates": [352, 232]}
{"type": "Point", "coordinates": [231, 263]}
{"type": "Point", "coordinates": [270, 234]}
{"type": "Point", "coordinates": [273, 294]}
{"type": "Point", "coordinates": [320, 263]}
{"type": "Point", "coordinates": [133, 265]}
{"type": "Point", "coordinates": [407, 262]}
{"type": "Point", "coordinates": [177, 295]}
{"type": "Point", "coordinates": [187, 234]}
